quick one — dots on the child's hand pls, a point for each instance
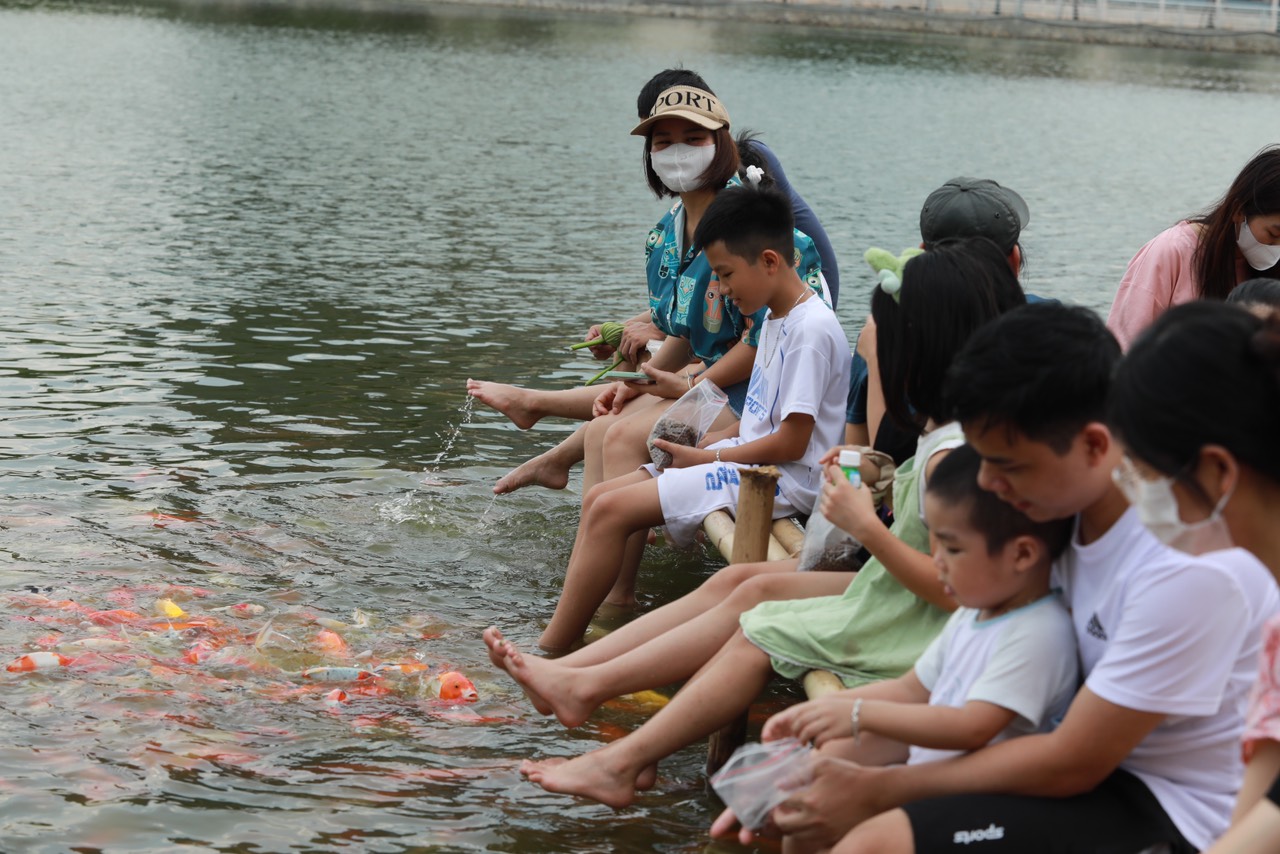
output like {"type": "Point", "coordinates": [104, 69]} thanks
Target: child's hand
{"type": "Point", "coordinates": [847, 507]}
{"type": "Point", "coordinates": [815, 722]}
{"type": "Point", "coordinates": [682, 456]}
{"type": "Point", "coordinates": [600, 351]}
{"type": "Point", "coordinates": [665, 383]}
{"type": "Point", "coordinates": [612, 399]}
{"type": "Point", "coordinates": [869, 471]}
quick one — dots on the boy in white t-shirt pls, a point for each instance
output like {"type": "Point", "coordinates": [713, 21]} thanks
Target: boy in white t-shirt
{"type": "Point", "coordinates": [1004, 664]}
{"type": "Point", "coordinates": [793, 413]}
{"type": "Point", "coordinates": [1148, 752]}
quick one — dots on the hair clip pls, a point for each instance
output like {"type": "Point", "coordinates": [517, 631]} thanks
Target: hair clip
{"type": "Point", "coordinates": [754, 174]}
{"type": "Point", "coordinates": [890, 284]}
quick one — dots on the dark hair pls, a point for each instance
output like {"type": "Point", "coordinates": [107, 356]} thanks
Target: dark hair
{"type": "Point", "coordinates": [722, 167]}
{"type": "Point", "coordinates": [955, 481]}
{"type": "Point", "coordinates": [748, 220]}
{"type": "Point", "coordinates": [1254, 192]}
{"type": "Point", "coordinates": [1264, 292]}
{"type": "Point", "coordinates": [947, 293]}
{"type": "Point", "coordinates": [661, 82]}
{"type": "Point", "coordinates": [1202, 374]}
{"type": "Point", "coordinates": [1043, 370]}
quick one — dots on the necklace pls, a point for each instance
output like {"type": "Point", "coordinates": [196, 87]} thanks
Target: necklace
{"type": "Point", "coordinates": [770, 348]}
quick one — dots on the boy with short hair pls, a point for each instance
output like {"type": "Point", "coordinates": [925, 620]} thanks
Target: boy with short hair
{"type": "Point", "coordinates": [793, 411]}
{"type": "Point", "coordinates": [1147, 754]}
{"type": "Point", "coordinates": [1004, 664]}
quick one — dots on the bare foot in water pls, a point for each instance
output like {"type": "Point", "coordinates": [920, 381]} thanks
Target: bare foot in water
{"type": "Point", "coordinates": [512, 401]}
{"type": "Point", "coordinates": [592, 775]}
{"type": "Point", "coordinates": [646, 780]}
{"type": "Point", "coordinates": [552, 687]}
{"type": "Point", "coordinates": [500, 649]}
{"type": "Point", "coordinates": [542, 470]}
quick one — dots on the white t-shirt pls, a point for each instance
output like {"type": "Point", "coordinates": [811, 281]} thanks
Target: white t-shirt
{"type": "Point", "coordinates": [1161, 631]}
{"type": "Point", "coordinates": [801, 366]}
{"type": "Point", "coordinates": [1023, 661]}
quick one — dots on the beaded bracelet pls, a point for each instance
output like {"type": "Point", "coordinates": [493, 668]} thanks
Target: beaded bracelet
{"type": "Point", "coordinates": [857, 711]}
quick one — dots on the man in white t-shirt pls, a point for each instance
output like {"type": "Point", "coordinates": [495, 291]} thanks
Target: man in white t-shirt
{"type": "Point", "coordinates": [1147, 753]}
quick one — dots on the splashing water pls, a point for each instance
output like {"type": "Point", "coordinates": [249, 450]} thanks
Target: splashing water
{"type": "Point", "coordinates": [415, 505]}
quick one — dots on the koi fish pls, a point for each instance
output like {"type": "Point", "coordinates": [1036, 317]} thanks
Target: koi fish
{"type": "Point", "coordinates": [335, 698]}
{"type": "Point", "coordinates": [37, 661]}
{"type": "Point", "coordinates": [454, 686]}
{"type": "Point", "coordinates": [402, 669]}
{"type": "Point", "coordinates": [337, 674]}
{"type": "Point", "coordinates": [169, 608]}
{"type": "Point", "coordinates": [330, 642]}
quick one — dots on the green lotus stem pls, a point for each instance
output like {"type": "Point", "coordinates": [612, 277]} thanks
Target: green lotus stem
{"type": "Point", "coordinates": [616, 362]}
{"type": "Point", "coordinates": [610, 333]}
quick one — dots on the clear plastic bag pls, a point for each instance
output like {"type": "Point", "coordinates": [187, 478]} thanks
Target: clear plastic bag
{"type": "Point", "coordinates": [758, 777]}
{"type": "Point", "coordinates": [827, 548]}
{"type": "Point", "coordinates": [687, 421]}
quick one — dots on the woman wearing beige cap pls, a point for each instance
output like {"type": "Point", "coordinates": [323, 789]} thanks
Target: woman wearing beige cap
{"type": "Point", "coordinates": [690, 155]}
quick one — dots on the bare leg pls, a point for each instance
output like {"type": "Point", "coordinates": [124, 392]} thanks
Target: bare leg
{"type": "Point", "coordinates": [526, 407]}
{"type": "Point", "coordinates": [572, 692]}
{"type": "Point", "coordinates": [610, 775]}
{"type": "Point", "coordinates": [712, 592]}
{"type": "Point", "coordinates": [887, 833]}
{"type": "Point", "coordinates": [597, 431]}
{"type": "Point", "coordinates": [614, 511]}
{"type": "Point", "coordinates": [549, 469]}
{"type": "Point", "coordinates": [624, 449]}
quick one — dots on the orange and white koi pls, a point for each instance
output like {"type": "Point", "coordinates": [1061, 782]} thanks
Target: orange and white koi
{"type": "Point", "coordinates": [454, 686]}
{"type": "Point", "coordinates": [330, 643]}
{"type": "Point", "coordinates": [37, 661]}
{"type": "Point", "coordinates": [335, 698]}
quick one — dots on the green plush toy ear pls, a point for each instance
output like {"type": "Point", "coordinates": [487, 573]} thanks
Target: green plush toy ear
{"type": "Point", "coordinates": [888, 268]}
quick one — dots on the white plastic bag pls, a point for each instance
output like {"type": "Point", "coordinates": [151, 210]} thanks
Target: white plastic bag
{"type": "Point", "coordinates": [758, 777]}
{"type": "Point", "coordinates": [827, 548]}
{"type": "Point", "coordinates": [687, 421]}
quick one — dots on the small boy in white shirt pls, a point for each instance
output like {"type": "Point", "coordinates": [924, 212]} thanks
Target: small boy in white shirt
{"type": "Point", "coordinates": [794, 410]}
{"type": "Point", "coordinates": [1005, 663]}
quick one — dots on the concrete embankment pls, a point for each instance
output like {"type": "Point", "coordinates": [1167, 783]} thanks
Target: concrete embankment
{"type": "Point", "coordinates": [947, 17]}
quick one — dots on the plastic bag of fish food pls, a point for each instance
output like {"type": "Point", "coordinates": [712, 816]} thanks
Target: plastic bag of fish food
{"type": "Point", "coordinates": [827, 548]}
{"type": "Point", "coordinates": [687, 421]}
{"type": "Point", "coordinates": [758, 777]}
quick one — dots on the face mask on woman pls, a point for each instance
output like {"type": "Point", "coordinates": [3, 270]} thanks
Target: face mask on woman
{"type": "Point", "coordinates": [1260, 256]}
{"type": "Point", "coordinates": [1158, 509]}
{"type": "Point", "coordinates": [680, 166]}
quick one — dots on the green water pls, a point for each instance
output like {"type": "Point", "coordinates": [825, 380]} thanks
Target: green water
{"type": "Point", "coordinates": [248, 260]}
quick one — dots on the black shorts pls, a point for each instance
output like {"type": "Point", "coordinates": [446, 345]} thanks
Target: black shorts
{"type": "Point", "coordinates": [1120, 816]}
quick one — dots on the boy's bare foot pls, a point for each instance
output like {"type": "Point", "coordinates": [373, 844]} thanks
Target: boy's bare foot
{"type": "Point", "coordinates": [542, 470]}
{"type": "Point", "coordinates": [591, 775]}
{"type": "Point", "coordinates": [556, 686]}
{"type": "Point", "coordinates": [512, 401]}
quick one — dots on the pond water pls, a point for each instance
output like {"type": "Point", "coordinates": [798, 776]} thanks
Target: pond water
{"type": "Point", "coordinates": [248, 260]}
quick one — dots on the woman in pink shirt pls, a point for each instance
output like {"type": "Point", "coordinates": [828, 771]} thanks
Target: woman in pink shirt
{"type": "Point", "coordinates": [1205, 257]}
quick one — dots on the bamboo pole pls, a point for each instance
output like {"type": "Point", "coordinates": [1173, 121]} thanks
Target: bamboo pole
{"type": "Point", "coordinates": [719, 529]}
{"type": "Point", "coordinates": [818, 683]}
{"type": "Point", "coordinates": [750, 544]}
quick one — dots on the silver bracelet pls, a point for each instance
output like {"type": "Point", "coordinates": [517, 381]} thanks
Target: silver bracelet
{"type": "Point", "coordinates": [857, 711]}
{"type": "Point", "coordinates": [717, 455]}
{"type": "Point", "coordinates": [689, 379]}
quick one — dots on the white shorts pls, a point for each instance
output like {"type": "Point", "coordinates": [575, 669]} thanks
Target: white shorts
{"type": "Point", "coordinates": [690, 495]}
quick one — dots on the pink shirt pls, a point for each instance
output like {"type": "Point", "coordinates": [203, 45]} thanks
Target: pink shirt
{"type": "Point", "coordinates": [1159, 276]}
{"type": "Point", "coordinates": [1263, 719]}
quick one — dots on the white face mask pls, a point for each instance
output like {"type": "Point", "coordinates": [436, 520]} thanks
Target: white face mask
{"type": "Point", "coordinates": [1157, 507]}
{"type": "Point", "coordinates": [1259, 255]}
{"type": "Point", "coordinates": [680, 166]}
